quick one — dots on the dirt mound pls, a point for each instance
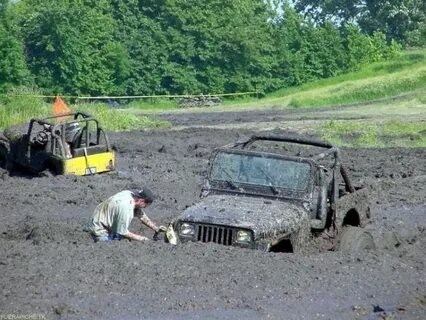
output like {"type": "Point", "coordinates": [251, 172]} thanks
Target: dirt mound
{"type": "Point", "coordinates": [50, 266]}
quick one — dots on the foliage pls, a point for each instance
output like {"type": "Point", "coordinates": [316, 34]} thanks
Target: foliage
{"type": "Point", "coordinates": [13, 68]}
{"type": "Point", "coordinates": [363, 49]}
{"type": "Point", "coordinates": [401, 20]}
{"type": "Point", "coordinates": [307, 52]}
{"type": "Point", "coordinates": [132, 47]}
{"type": "Point", "coordinates": [195, 47]}
{"type": "Point", "coordinates": [71, 47]}
{"type": "Point", "coordinates": [403, 74]}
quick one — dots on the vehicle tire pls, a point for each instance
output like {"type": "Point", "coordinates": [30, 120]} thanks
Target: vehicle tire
{"type": "Point", "coordinates": [4, 155]}
{"type": "Point", "coordinates": [356, 239]}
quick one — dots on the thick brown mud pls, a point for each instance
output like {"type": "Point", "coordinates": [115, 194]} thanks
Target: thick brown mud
{"type": "Point", "coordinates": [50, 267]}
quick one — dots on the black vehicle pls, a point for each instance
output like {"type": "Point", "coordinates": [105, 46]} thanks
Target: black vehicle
{"type": "Point", "coordinates": [277, 193]}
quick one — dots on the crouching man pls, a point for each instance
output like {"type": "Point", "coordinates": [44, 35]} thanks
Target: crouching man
{"type": "Point", "coordinates": [112, 217]}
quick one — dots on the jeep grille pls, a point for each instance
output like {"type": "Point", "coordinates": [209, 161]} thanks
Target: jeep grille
{"type": "Point", "coordinates": [216, 234]}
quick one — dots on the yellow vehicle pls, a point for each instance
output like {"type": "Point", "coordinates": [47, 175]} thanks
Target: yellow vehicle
{"type": "Point", "coordinates": [68, 143]}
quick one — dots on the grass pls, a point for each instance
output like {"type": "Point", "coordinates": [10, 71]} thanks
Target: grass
{"type": "Point", "coordinates": [392, 133]}
{"type": "Point", "coordinates": [406, 60]}
{"type": "Point", "coordinates": [22, 105]}
{"type": "Point", "coordinates": [404, 74]}
{"type": "Point", "coordinates": [376, 81]}
{"type": "Point", "coordinates": [151, 104]}
{"type": "Point", "coordinates": [363, 90]}
{"type": "Point", "coordinates": [120, 120]}
{"type": "Point", "coordinates": [159, 105]}
{"type": "Point", "coordinates": [19, 109]}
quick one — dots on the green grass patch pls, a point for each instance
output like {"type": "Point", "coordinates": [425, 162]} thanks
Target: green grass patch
{"type": "Point", "coordinates": [380, 134]}
{"type": "Point", "coordinates": [153, 104]}
{"type": "Point", "coordinates": [422, 97]}
{"type": "Point", "coordinates": [169, 105]}
{"type": "Point", "coordinates": [20, 106]}
{"type": "Point", "coordinates": [118, 119]}
{"type": "Point", "coordinates": [406, 60]}
{"type": "Point", "coordinates": [365, 90]}
{"type": "Point", "coordinates": [404, 73]}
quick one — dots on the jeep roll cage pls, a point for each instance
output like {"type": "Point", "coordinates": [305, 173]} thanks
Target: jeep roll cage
{"type": "Point", "coordinates": [330, 150]}
{"type": "Point", "coordinates": [58, 129]}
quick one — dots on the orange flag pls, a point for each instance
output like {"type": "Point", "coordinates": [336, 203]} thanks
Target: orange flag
{"type": "Point", "coordinates": [59, 106]}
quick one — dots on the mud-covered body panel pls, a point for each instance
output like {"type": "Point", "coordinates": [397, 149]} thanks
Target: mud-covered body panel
{"type": "Point", "coordinates": [267, 219]}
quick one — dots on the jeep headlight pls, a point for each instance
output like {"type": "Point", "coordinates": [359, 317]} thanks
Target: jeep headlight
{"type": "Point", "coordinates": [243, 236]}
{"type": "Point", "coordinates": [186, 229]}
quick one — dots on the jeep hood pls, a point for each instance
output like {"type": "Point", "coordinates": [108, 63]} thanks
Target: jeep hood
{"type": "Point", "coordinates": [263, 216]}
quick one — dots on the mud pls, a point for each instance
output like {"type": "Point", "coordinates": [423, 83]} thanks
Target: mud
{"type": "Point", "coordinates": [51, 268]}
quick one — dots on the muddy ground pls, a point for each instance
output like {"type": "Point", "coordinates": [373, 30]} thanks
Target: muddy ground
{"type": "Point", "coordinates": [51, 269]}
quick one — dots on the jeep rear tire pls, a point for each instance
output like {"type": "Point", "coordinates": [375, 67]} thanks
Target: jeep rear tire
{"type": "Point", "coordinates": [356, 239]}
{"type": "Point", "coordinates": [4, 155]}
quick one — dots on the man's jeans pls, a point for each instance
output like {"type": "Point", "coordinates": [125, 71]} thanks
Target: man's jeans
{"type": "Point", "coordinates": [109, 237]}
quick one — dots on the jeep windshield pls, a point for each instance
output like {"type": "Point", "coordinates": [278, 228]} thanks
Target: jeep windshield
{"type": "Point", "coordinates": [245, 169]}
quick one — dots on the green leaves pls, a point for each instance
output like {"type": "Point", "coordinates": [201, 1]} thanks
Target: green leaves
{"type": "Point", "coordinates": [13, 68]}
{"type": "Point", "coordinates": [72, 47]}
{"type": "Point", "coordinates": [132, 47]}
{"type": "Point", "coordinates": [400, 20]}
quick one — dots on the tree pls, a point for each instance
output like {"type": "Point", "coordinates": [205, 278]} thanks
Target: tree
{"type": "Point", "coordinates": [13, 68]}
{"type": "Point", "coordinates": [400, 20]}
{"type": "Point", "coordinates": [397, 19]}
{"type": "Point", "coordinates": [175, 46]}
{"type": "Point", "coordinates": [307, 52]}
{"type": "Point", "coordinates": [71, 47]}
{"type": "Point", "coordinates": [184, 47]}
{"type": "Point", "coordinates": [363, 49]}
{"type": "Point", "coordinates": [222, 46]}
{"type": "Point", "coordinates": [339, 11]}
{"type": "Point", "coordinates": [140, 33]}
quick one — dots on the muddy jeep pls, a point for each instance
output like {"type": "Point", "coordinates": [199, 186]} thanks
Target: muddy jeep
{"type": "Point", "coordinates": [278, 193]}
{"type": "Point", "coordinates": [68, 143]}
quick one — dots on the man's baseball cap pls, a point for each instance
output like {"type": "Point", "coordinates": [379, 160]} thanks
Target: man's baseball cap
{"type": "Point", "coordinates": [143, 193]}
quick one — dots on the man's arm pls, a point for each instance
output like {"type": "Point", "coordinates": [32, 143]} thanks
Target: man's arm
{"type": "Point", "coordinates": [147, 221]}
{"type": "Point", "coordinates": [133, 236]}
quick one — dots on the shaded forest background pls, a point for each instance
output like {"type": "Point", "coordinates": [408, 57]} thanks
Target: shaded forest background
{"type": "Point", "coordinates": [135, 47]}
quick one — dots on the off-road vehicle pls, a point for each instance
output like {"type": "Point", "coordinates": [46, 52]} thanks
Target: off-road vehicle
{"type": "Point", "coordinates": [68, 143]}
{"type": "Point", "coordinates": [278, 193]}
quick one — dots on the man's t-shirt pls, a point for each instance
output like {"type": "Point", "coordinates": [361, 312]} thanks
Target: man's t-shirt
{"type": "Point", "coordinates": [113, 215]}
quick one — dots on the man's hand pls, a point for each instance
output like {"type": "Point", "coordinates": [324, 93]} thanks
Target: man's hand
{"type": "Point", "coordinates": [157, 231]}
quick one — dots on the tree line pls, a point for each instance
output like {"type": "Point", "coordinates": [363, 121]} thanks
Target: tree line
{"type": "Point", "coordinates": [145, 47]}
